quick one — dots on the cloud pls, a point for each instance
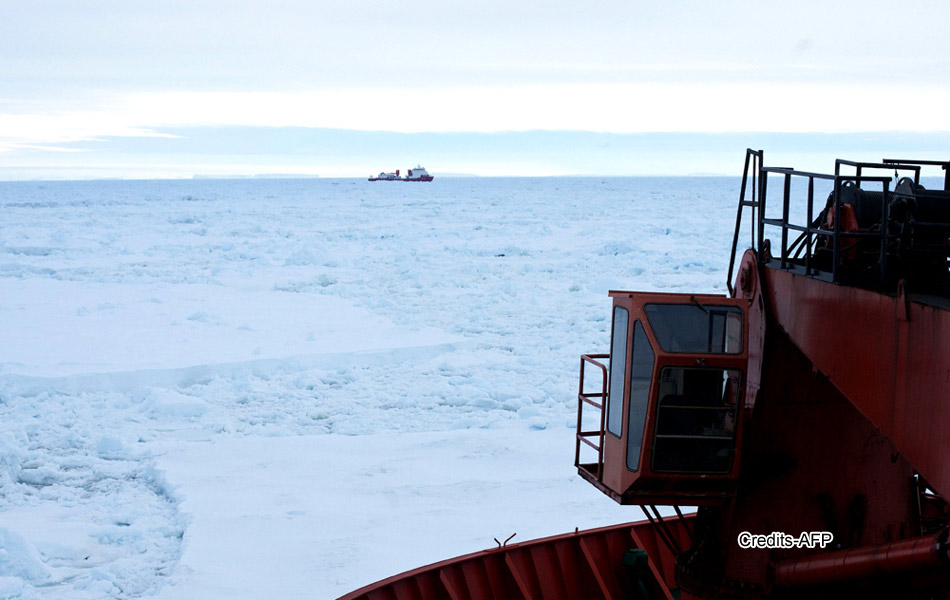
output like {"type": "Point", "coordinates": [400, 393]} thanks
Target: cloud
{"type": "Point", "coordinates": [52, 129]}
{"type": "Point", "coordinates": [79, 72]}
{"type": "Point", "coordinates": [11, 147]}
{"type": "Point", "coordinates": [618, 108]}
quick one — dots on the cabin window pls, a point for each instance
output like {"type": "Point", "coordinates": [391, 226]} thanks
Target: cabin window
{"type": "Point", "coordinates": [641, 375]}
{"type": "Point", "coordinates": [695, 328]}
{"type": "Point", "coordinates": [618, 367]}
{"type": "Point", "coordinates": [695, 420]}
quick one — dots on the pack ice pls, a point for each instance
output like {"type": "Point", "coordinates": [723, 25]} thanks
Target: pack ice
{"type": "Point", "coordinates": [291, 388]}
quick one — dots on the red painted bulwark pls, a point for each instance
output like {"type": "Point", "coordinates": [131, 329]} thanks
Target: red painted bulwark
{"type": "Point", "coordinates": [579, 565]}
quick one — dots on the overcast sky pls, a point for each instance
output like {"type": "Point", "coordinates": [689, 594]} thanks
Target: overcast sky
{"type": "Point", "coordinates": [77, 74]}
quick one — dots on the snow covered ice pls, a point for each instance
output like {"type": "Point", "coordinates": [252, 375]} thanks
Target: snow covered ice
{"type": "Point", "coordinates": [293, 388]}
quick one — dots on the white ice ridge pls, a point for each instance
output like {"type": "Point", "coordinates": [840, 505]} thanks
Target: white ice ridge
{"type": "Point", "coordinates": [63, 328]}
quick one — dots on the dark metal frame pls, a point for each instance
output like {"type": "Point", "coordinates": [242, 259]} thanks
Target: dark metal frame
{"type": "Point", "coordinates": [731, 438]}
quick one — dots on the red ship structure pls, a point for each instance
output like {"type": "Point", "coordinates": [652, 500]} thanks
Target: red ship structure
{"type": "Point", "coordinates": [803, 421]}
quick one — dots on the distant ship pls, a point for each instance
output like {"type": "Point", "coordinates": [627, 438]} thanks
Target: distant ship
{"type": "Point", "coordinates": [417, 174]}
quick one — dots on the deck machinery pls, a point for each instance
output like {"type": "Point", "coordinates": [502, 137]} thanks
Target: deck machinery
{"type": "Point", "coordinates": [803, 421]}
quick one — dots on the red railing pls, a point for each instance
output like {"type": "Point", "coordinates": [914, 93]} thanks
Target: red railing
{"type": "Point", "coordinates": [598, 400]}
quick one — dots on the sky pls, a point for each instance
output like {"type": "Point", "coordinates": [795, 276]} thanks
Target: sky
{"type": "Point", "coordinates": [171, 89]}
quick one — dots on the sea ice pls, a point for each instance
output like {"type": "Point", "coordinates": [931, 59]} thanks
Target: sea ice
{"type": "Point", "coordinates": [292, 388]}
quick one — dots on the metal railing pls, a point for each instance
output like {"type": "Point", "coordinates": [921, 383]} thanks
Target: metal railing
{"type": "Point", "coordinates": [598, 400]}
{"type": "Point", "coordinates": [753, 161]}
{"type": "Point", "coordinates": [945, 165]}
{"type": "Point", "coordinates": [802, 235]}
{"type": "Point", "coordinates": [813, 228]}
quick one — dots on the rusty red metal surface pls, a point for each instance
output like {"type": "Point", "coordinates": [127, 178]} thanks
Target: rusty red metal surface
{"type": "Point", "coordinates": [887, 354]}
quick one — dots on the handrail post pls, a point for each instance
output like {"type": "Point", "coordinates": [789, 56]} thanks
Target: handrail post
{"type": "Point", "coordinates": [763, 196]}
{"type": "Point", "coordinates": [603, 427]}
{"type": "Point", "coordinates": [836, 238]}
{"type": "Point", "coordinates": [808, 224]}
{"type": "Point", "coordinates": [785, 201]}
{"type": "Point", "coordinates": [757, 168]}
{"type": "Point", "coordinates": [753, 158]}
{"type": "Point", "coordinates": [884, 229]}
